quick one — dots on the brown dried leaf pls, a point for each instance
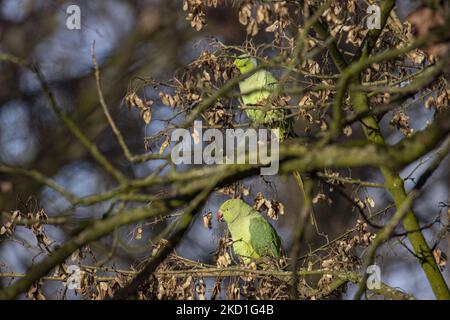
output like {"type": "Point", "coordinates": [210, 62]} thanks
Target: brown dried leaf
{"type": "Point", "coordinates": [164, 145]}
{"type": "Point", "coordinates": [207, 218]}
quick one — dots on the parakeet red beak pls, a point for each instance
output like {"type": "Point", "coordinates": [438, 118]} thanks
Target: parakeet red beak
{"type": "Point", "coordinates": [219, 216]}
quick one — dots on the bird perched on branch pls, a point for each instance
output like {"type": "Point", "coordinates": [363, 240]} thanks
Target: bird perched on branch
{"type": "Point", "coordinates": [256, 91]}
{"type": "Point", "coordinates": [253, 236]}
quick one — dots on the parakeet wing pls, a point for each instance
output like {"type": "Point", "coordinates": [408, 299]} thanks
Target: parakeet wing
{"type": "Point", "coordinates": [263, 237]}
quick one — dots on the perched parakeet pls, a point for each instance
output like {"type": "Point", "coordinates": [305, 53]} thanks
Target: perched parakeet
{"type": "Point", "coordinates": [253, 236]}
{"type": "Point", "coordinates": [255, 90]}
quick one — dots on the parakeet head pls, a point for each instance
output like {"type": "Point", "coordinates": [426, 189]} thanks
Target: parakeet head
{"type": "Point", "coordinates": [231, 209]}
{"type": "Point", "coordinates": [245, 63]}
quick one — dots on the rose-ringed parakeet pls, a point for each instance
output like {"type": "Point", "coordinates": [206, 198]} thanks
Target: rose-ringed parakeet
{"type": "Point", "coordinates": [253, 236]}
{"type": "Point", "coordinates": [255, 93]}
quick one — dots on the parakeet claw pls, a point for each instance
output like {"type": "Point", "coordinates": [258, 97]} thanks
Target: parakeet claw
{"type": "Point", "coordinates": [219, 216]}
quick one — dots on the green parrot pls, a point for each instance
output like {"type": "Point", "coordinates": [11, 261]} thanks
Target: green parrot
{"type": "Point", "coordinates": [253, 236]}
{"type": "Point", "coordinates": [259, 87]}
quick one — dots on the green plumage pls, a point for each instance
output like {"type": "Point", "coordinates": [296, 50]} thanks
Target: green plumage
{"type": "Point", "coordinates": [255, 92]}
{"type": "Point", "coordinates": [253, 236]}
